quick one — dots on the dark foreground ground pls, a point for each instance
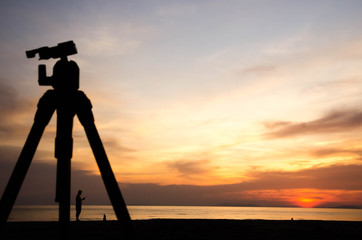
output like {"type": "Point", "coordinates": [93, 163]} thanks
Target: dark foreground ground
{"type": "Point", "coordinates": [190, 229]}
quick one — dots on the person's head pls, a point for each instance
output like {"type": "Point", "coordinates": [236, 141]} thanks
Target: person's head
{"type": "Point", "coordinates": [79, 192]}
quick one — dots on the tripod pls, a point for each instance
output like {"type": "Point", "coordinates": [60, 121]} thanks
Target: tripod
{"type": "Point", "coordinates": [68, 101]}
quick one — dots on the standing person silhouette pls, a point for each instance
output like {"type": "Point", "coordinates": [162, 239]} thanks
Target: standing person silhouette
{"type": "Point", "coordinates": [78, 204]}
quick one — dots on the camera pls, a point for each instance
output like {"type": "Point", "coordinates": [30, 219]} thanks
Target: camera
{"type": "Point", "coordinates": [65, 73]}
{"type": "Point", "coordinates": [61, 50]}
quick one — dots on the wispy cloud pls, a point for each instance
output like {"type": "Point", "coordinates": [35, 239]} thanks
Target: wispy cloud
{"type": "Point", "coordinates": [177, 10]}
{"type": "Point", "coordinates": [115, 40]}
{"type": "Point", "coordinates": [259, 69]}
{"type": "Point", "coordinates": [330, 151]}
{"type": "Point", "coordinates": [335, 177]}
{"type": "Point", "coordinates": [337, 121]}
{"type": "Point", "coordinates": [12, 109]}
{"type": "Point", "coordinates": [189, 167]}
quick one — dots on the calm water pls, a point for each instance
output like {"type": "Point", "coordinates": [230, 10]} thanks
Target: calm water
{"type": "Point", "coordinates": [95, 212]}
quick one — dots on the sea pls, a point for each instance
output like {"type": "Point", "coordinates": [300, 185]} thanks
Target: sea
{"type": "Point", "coordinates": [21, 213]}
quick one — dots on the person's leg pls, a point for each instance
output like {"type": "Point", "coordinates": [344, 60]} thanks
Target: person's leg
{"type": "Point", "coordinates": [78, 210]}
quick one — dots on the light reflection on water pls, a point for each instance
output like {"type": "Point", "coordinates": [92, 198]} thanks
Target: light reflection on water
{"type": "Point", "coordinates": [96, 212]}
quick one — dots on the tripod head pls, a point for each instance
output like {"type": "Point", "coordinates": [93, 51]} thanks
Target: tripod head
{"type": "Point", "coordinates": [65, 73]}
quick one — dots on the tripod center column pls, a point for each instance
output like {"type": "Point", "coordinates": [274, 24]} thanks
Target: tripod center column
{"type": "Point", "coordinates": [66, 84]}
{"type": "Point", "coordinates": [63, 153]}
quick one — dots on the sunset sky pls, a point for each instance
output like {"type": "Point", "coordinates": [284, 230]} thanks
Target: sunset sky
{"type": "Point", "coordinates": [196, 102]}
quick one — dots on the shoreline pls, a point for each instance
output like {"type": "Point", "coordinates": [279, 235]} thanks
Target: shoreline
{"type": "Point", "coordinates": [190, 229]}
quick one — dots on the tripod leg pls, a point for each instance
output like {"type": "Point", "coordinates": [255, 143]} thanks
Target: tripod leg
{"type": "Point", "coordinates": [86, 118]}
{"type": "Point", "coordinates": [42, 117]}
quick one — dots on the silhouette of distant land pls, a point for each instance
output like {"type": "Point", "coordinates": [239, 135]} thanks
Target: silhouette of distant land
{"type": "Point", "coordinates": [343, 207]}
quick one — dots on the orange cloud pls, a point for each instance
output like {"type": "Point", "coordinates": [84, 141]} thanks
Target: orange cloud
{"type": "Point", "coordinates": [331, 186]}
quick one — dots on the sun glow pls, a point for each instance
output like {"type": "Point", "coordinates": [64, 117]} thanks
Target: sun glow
{"type": "Point", "coordinates": [307, 202]}
{"type": "Point", "coordinates": [308, 198]}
